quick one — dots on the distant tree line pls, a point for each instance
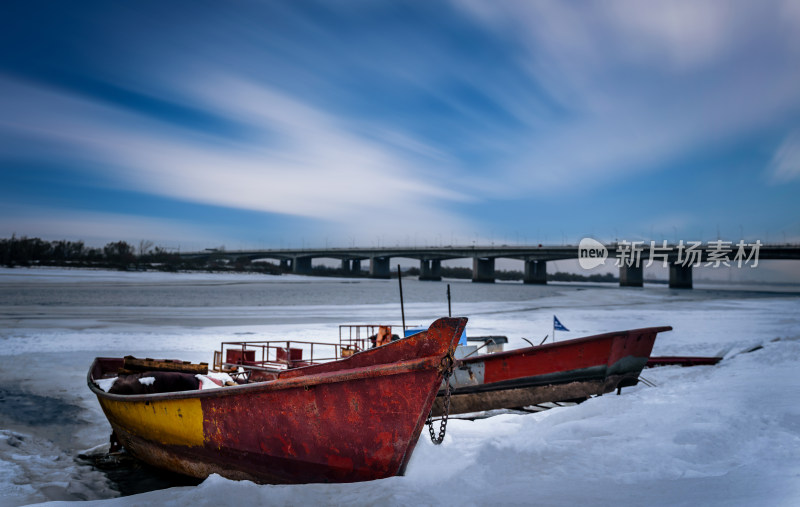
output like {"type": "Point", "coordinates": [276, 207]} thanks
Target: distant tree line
{"type": "Point", "coordinates": [24, 251]}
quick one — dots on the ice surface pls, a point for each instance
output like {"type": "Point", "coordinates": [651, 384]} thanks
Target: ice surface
{"type": "Point", "coordinates": [35, 470]}
{"type": "Point", "coordinates": [67, 275]}
{"type": "Point", "coordinates": [711, 435]}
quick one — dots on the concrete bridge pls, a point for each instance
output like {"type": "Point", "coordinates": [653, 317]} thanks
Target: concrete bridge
{"type": "Point", "coordinates": [679, 258]}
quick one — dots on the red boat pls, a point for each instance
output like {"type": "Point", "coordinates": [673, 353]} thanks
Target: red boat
{"type": "Point", "coordinates": [356, 418]}
{"type": "Point", "coordinates": [570, 370]}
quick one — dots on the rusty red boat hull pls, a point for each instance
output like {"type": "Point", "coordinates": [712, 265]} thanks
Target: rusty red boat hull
{"type": "Point", "coordinates": [569, 370]}
{"type": "Point", "coordinates": [355, 419]}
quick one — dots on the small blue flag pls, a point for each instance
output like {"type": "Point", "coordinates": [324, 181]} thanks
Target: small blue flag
{"type": "Point", "coordinates": [557, 325]}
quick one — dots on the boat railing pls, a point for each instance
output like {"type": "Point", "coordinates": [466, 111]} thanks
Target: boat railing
{"type": "Point", "coordinates": [276, 354]}
{"type": "Point", "coordinates": [365, 336]}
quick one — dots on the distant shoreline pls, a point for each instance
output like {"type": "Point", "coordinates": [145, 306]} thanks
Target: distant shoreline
{"type": "Point", "coordinates": [131, 274]}
{"type": "Point", "coordinates": [123, 257]}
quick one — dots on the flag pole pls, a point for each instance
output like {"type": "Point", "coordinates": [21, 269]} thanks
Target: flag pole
{"type": "Point", "coordinates": [402, 308]}
{"type": "Point", "coordinates": [557, 325]}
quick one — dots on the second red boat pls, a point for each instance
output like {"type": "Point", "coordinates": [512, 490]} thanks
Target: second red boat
{"type": "Point", "coordinates": [570, 370]}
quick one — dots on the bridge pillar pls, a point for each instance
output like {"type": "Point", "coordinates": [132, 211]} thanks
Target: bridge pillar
{"type": "Point", "coordinates": [680, 277]}
{"type": "Point", "coordinates": [356, 267]}
{"type": "Point", "coordinates": [535, 272]}
{"type": "Point", "coordinates": [430, 269]}
{"type": "Point", "coordinates": [346, 266]}
{"type": "Point", "coordinates": [379, 267]}
{"type": "Point", "coordinates": [631, 276]}
{"type": "Point", "coordinates": [301, 266]}
{"type": "Point", "coordinates": [483, 270]}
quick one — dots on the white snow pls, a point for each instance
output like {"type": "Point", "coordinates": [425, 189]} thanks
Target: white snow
{"type": "Point", "coordinates": [207, 383]}
{"type": "Point", "coordinates": [222, 377]}
{"type": "Point", "coordinates": [105, 383]}
{"type": "Point", "coordinates": [34, 470]}
{"type": "Point", "coordinates": [712, 435]}
{"type": "Point", "coordinates": [147, 381]}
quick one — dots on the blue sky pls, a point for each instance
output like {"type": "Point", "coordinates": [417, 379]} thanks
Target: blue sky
{"type": "Point", "coordinates": [289, 124]}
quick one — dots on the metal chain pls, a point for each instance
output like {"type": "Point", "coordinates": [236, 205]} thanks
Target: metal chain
{"type": "Point", "coordinates": [447, 365]}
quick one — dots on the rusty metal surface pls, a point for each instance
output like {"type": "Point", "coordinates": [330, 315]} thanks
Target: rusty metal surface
{"type": "Point", "coordinates": [567, 370]}
{"type": "Point", "coordinates": [520, 397]}
{"type": "Point", "coordinates": [463, 403]}
{"type": "Point", "coordinates": [349, 420]}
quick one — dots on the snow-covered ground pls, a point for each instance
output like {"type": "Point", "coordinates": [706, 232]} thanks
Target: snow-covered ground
{"type": "Point", "coordinates": [722, 435]}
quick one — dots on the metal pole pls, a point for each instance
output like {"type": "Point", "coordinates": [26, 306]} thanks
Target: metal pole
{"type": "Point", "coordinates": [449, 311]}
{"type": "Point", "coordinates": [402, 308]}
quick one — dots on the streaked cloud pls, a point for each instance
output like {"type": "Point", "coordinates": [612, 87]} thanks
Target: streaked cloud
{"type": "Point", "coordinates": [371, 121]}
{"type": "Point", "coordinates": [785, 165]}
{"type": "Point", "coordinates": [98, 228]}
{"type": "Point", "coordinates": [317, 169]}
{"type": "Point", "coordinates": [645, 83]}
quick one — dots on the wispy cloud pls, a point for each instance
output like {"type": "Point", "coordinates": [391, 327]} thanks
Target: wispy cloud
{"type": "Point", "coordinates": [98, 228]}
{"type": "Point", "coordinates": [317, 168]}
{"type": "Point", "coordinates": [785, 164]}
{"type": "Point", "coordinates": [645, 83]}
{"type": "Point", "coordinates": [377, 120]}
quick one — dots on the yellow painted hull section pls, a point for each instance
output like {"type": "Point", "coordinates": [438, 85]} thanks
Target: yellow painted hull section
{"type": "Point", "coordinates": [170, 422]}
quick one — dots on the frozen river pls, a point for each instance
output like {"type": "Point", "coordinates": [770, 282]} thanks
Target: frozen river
{"type": "Point", "coordinates": [727, 435]}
